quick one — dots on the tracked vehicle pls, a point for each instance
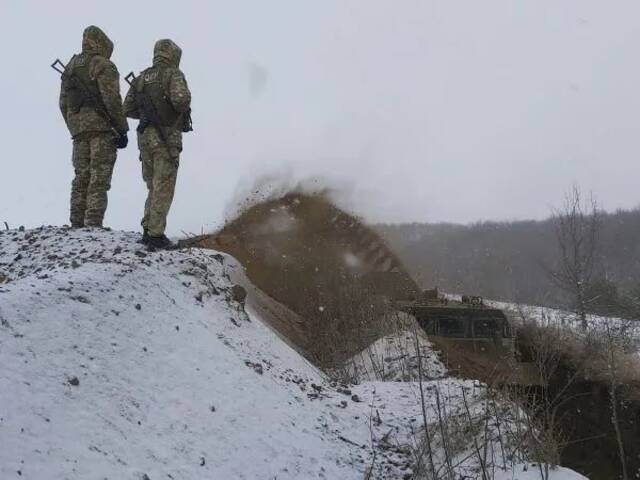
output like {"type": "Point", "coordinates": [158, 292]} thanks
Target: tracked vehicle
{"type": "Point", "coordinates": [476, 341]}
{"type": "Point", "coordinates": [439, 315]}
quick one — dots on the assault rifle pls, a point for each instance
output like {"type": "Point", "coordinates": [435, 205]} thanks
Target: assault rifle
{"type": "Point", "coordinates": [149, 114]}
{"type": "Point", "coordinates": [76, 83]}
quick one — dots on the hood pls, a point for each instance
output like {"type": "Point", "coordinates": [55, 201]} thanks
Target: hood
{"type": "Point", "coordinates": [165, 51]}
{"type": "Point", "coordinates": [96, 41]}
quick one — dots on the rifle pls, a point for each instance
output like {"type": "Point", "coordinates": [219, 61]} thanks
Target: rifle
{"type": "Point", "coordinates": [149, 108]}
{"type": "Point", "coordinates": [148, 113]}
{"type": "Point", "coordinates": [76, 82]}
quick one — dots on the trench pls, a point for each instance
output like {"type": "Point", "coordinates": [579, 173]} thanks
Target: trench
{"type": "Point", "coordinates": [584, 412]}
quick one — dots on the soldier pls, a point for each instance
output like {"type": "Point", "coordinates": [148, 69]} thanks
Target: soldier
{"type": "Point", "coordinates": [91, 106]}
{"type": "Point", "coordinates": [161, 99]}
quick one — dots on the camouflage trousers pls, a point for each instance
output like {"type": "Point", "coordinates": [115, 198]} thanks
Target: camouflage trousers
{"type": "Point", "coordinates": [94, 156]}
{"type": "Point", "coordinates": [159, 171]}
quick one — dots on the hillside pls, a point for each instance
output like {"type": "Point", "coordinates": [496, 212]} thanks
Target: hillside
{"type": "Point", "coordinates": [119, 363]}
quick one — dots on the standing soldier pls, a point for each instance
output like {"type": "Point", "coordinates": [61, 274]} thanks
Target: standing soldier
{"type": "Point", "coordinates": [161, 99]}
{"type": "Point", "coordinates": [91, 106]}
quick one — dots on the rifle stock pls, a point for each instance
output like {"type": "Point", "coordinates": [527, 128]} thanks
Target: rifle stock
{"type": "Point", "coordinates": [58, 66]}
{"type": "Point", "coordinates": [130, 78]}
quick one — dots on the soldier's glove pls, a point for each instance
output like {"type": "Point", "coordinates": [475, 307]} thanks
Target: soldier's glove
{"type": "Point", "coordinates": [122, 140]}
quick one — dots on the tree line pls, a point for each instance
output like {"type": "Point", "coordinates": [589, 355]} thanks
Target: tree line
{"type": "Point", "coordinates": [580, 258]}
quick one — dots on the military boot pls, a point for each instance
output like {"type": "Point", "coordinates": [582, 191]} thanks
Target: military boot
{"type": "Point", "coordinates": [160, 242]}
{"type": "Point", "coordinates": [145, 237]}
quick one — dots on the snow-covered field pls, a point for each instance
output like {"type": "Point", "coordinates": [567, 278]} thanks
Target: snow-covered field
{"type": "Point", "coordinates": [627, 331]}
{"type": "Point", "coordinates": [566, 320]}
{"type": "Point", "coordinates": [118, 363]}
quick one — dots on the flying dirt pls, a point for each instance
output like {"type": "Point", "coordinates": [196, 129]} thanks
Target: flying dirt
{"type": "Point", "coordinates": [300, 249]}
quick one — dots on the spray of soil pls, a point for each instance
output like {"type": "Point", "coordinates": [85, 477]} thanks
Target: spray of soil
{"type": "Point", "coordinates": [311, 256]}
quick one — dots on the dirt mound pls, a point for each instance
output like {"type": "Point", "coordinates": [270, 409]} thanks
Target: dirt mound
{"type": "Point", "coordinates": [312, 257]}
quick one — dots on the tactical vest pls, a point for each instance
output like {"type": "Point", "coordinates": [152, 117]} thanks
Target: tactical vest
{"type": "Point", "coordinates": [152, 84]}
{"type": "Point", "coordinates": [80, 88]}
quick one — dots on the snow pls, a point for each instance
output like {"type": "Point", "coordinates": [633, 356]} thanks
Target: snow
{"type": "Point", "coordinates": [118, 363]}
{"type": "Point", "coordinates": [565, 320]}
{"type": "Point", "coordinates": [394, 357]}
{"type": "Point", "coordinates": [153, 362]}
{"type": "Point", "coordinates": [569, 323]}
{"type": "Point", "coordinates": [532, 472]}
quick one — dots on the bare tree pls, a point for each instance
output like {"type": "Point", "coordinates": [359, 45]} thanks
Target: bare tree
{"type": "Point", "coordinates": [615, 382]}
{"type": "Point", "coordinates": [577, 225]}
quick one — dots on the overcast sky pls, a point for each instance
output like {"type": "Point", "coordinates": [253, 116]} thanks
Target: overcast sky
{"type": "Point", "coordinates": [419, 110]}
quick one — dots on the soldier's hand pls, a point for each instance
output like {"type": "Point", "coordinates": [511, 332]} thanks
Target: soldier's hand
{"type": "Point", "coordinates": [122, 141]}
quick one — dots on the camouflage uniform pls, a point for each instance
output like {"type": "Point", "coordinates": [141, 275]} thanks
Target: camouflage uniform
{"type": "Point", "coordinates": [166, 87]}
{"type": "Point", "coordinates": [94, 148]}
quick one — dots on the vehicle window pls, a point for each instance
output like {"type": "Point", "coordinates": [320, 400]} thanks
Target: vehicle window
{"type": "Point", "coordinates": [486, 328]}
{"type": "Point", "coordinates": [452, 327]}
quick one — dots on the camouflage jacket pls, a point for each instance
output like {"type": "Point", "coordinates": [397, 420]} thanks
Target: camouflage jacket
{"type": "Point", "coordinates": [174, 92]}
{"type": "Point", "coordinates": [97, 47]}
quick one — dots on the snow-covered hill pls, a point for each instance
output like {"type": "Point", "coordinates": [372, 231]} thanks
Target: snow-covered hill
{"type": "Point", "coordinates": [117, 363]}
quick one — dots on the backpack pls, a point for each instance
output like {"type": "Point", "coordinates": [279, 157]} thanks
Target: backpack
{"type": "Point", "coordinates": [80, 88]}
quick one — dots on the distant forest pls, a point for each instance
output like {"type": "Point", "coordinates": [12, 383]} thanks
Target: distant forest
{"type": "Point", "coordinates": [509, 260]}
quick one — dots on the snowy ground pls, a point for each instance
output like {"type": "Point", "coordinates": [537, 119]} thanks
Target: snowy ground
{"type": "Point", "coordinates": [394, 358]}
{"type": "Point", "coordinates": [598, 326]}
{"type": "Point", "coordinates": [545, 316]}
{"type": "Point", "coordinates": [118, 363]}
